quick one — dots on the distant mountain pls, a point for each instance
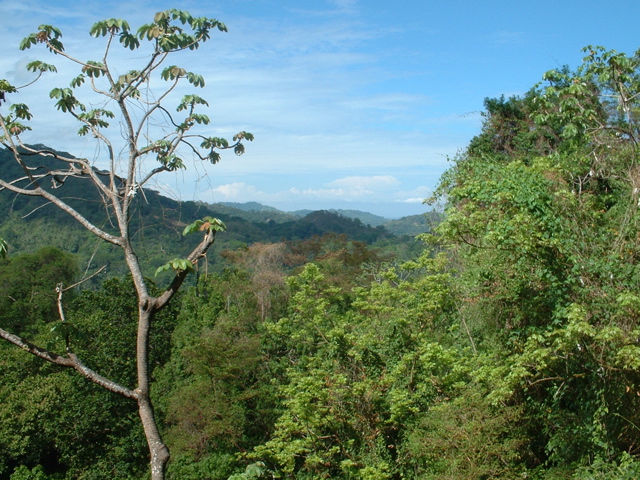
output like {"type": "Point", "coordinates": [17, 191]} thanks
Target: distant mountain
{"type": "Point", "coordinates": [331, 222]}
{"type": "Point", "coordinates": [29, 223]}
{"type": "Point", "coordinates": [365, 217]}
{"type": "Point", "coordinates": [257, 212]}
{"type": "Point", "coordinates": [414, 224]}
{"type": "Point", "coordinates": [252, 211]}
{"type": "Point", "coordinates": [249, 206]}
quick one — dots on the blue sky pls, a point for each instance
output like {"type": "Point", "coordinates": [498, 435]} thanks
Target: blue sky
{"type": "Point", "coordinates": [354, 104]}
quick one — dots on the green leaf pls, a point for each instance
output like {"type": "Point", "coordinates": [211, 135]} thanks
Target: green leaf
{"type": "Point", "coordinates": [207, 223]}
{"type": "Point", "coordinates": [55, 45]}
{"type": "Point", "coordinates": [238, 149]}
{"type": "Point", "coordinates": [130, 77]}
{"type": "Point", "coordinates": [93, 69]}
{"type": "Point", "coordinates": [190, 101]}
{"type": "Point", "coordinates": [177, 265]}
{"type": "Point", "coordinates": [129, 41]}
{"type": "Point", "coordinates": [16, 128]}
{"type": "Point", "coordinates": [99, 29]}
{"type": "Point", "coordinates": [50, 30]}
{"type": "Point", "coordinates": [64, 330]}
{"type": "Point", "coordinates": [67, 102]}
{"type": "Point", "coordinates": [6, 87]}
{"type": "Point", "coordinates": [570, 130]}
{"type": "Point", "coordinates": [172, 72]}
{"type": "Point", "coordinates": [193, 227]}
{"type": "Point", "coordinates": [215, 142]}
{"type": "Point", "coordinates": [109, 26]}
{"type": "Point", "coordinates": [46, 34]}
{"type": "Point", "coordinates": [21, 111]}
{"type": "Point", "coordinates": [28, 41]}
{"type": "Point", "coordinates": [149, 31]}
{"type": "Point", "coordinates": [94, 118]}
{"type": "Point", "coordinates": [195, 80]}
{"type": "Point", "coordinates": [38, 66]}
{"type": "Point", "coordinates": [214, 157]}
{"type": "Point", "coordinates": [77, 81]}
{"type": "Point", "coordinates": [200, 119]}
{"type": "Point", "coordinates": [243, 136]}
{"type": "Point", "coordinates": [161, 16]}
{"type": "Point", "coordinates": [163, 268]}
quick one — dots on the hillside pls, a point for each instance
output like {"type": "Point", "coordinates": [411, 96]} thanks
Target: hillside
{"type": "Point", "coordinates": [414, 224]}
{"type": "Point", "coordinates": [158, 224]}
{"type": "Point", "coordinates": [253, 212]}
{"type": "Point", "coordinates": [365, 217]}
{"type": "Point", "coordinates": [257, 212]}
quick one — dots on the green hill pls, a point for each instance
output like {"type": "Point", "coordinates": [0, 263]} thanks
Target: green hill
{"type": "Point", "coordinates": [29, 223]}
{"type": "Point", "coordinates": [253, 212]}
{"type": "Point", "coordinates": [414, 224]}
{"type": "Point", "coordinates": [258, 212]}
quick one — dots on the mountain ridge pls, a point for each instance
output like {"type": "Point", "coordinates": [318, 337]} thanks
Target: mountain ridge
{"type": "Point", "coordinates": [408, 225]}
{"type": "Point", "coordinates": [29, 223]}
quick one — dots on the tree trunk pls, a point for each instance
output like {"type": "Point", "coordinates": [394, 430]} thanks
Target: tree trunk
{"type": "Point", "coordinates": [158, 450]}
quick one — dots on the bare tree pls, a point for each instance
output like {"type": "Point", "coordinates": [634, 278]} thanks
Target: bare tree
{"type": "Point", "coordinates": [129, 102]}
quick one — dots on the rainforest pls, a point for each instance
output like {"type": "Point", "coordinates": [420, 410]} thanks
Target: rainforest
{"type": "Point", "coordinates": [502, 342]}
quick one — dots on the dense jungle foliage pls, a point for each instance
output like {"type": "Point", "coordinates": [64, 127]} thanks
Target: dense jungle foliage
{"type": "Point", "coordinates": [508, 348]}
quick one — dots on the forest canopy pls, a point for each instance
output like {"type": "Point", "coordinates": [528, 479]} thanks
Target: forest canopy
{"type": "Point", "coordinates": [507, 348]}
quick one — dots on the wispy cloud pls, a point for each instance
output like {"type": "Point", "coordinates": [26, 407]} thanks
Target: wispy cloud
{"type": "Point", "coordinates": [320, 100]}
{"type": "Point", "coordinates": [351, 188]}
{"type": "Point", "coordinates": [236, 191]}
{"type": "Point", "coordinates": [506, 37]}
{"type": "Point", "coordinates": [357, 186]}
{"type": "Point", "coordinates": [373, 189]}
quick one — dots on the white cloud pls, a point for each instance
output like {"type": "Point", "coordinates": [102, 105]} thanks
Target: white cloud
{"type": "Point", "coordinates": [297, 85]}
{"type": "Point", "coordinates": [354, 188]}
{"type": "Point", "coordinates": [361, 182]}
{"type": "Point", "coordinates": [344, 4]}
{"type": "Point", "coordinates": [350, 188]}
{"type": "Point", "coordinates": [506, 37]}
{"type": "Point", "coordinates": [357, 186]}
{"type": "Point", "coordinates": [389, 102]}
{"type": "Point", "coordinates": [235, 192]}
{"type": "Point", "coordinates": [318, 91]}
{"type": "Point", "coordinates": [319, 192]}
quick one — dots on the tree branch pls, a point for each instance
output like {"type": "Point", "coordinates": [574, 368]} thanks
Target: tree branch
{"type": "Point", "coordinates": [70, 362]}
{"type": "Point", "coordinates": [194, 256]}
{"type": "Point", "coordinates": [154, 106]}
{"type": "Point", "coordinates": [40, 192]}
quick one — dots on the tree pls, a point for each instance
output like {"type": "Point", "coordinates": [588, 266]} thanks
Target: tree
{"type": "Point", "coordinates": [546, 242]}
{"type": "Point", "coordinates": [148, 151]}
{"type": "Point", "coordinates": [352, 378]}
{"type": "Point", "coordinates": [27, 286]}
{"type": "Point", "coordinates": [54, 419]}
